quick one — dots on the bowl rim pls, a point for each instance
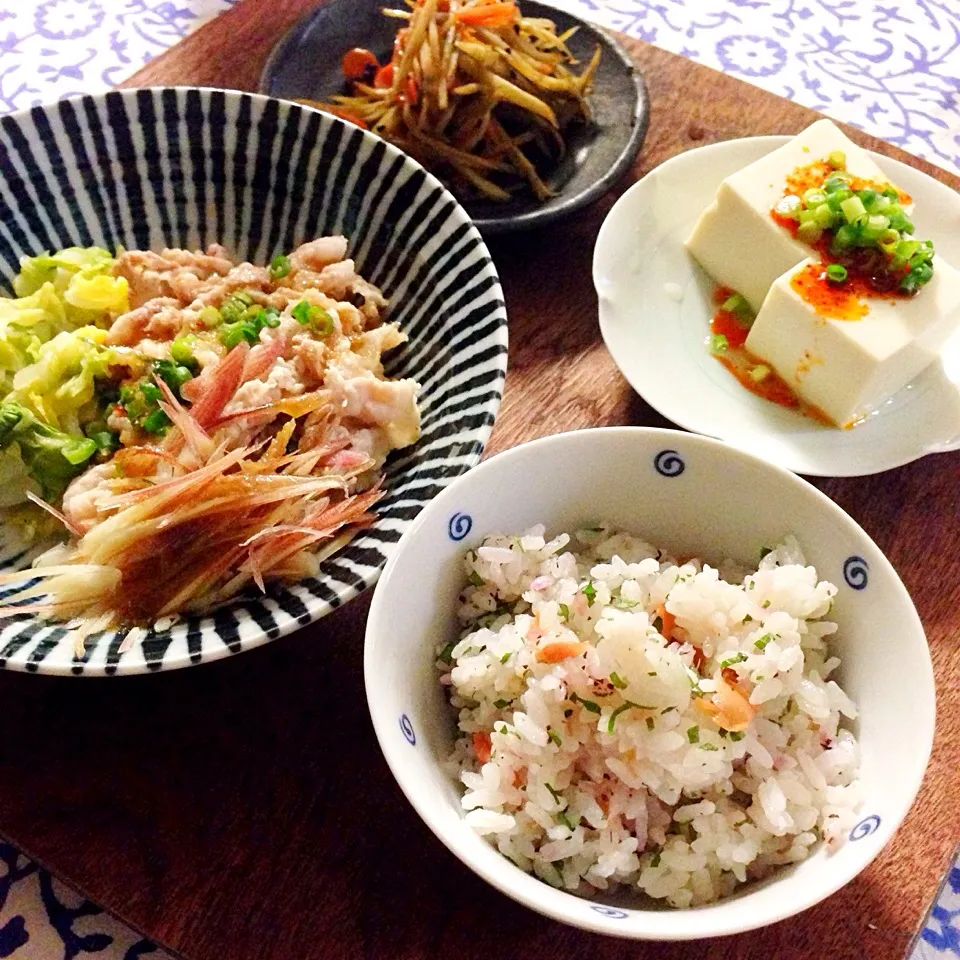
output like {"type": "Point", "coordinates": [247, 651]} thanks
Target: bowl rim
{"type": "Point", "coordinates": [258, 636]}
{"type": "Point", "coordinates": [493, 226]}
{"type": "Point", "coordinates": [529, 890]}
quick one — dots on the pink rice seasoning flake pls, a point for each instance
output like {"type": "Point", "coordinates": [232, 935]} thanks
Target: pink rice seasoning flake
{"type": "Point", "coordinates": [627, 720]}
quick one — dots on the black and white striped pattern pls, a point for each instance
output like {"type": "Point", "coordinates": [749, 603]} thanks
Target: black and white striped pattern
{"type": "Point", "coordinates": [183, 167]}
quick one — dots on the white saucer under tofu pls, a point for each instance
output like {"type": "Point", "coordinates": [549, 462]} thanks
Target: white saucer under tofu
{"type": "Point", "coordinates": [847, 368]}
{"type": "Point", "coordinates": [737, 241]}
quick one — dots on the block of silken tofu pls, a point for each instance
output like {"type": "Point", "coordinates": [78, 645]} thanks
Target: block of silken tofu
{"type": "Point", "coordinates": [737, 241]}
{"type": "Point", "coordinates": [848, 368]}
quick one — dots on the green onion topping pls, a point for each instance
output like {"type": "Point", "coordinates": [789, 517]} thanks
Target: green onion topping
{"type": "Point", "coordinates": [616, 713]}
{"type": "Point", "coordinates": [739, 658]}
{"type": "Point", "coordinates": [589, 704]}
{"type": "Point", "coordinates": [279, 267]}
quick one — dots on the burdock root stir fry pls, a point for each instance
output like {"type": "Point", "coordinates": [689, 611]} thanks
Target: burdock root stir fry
{"type": "Point", "coordinates": [198, 425]}
{"type": "Point", "coordinates": [475, 91]}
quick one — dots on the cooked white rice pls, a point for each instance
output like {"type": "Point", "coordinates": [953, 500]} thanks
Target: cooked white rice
{"type": "Point", "coordinates": [683, 765]}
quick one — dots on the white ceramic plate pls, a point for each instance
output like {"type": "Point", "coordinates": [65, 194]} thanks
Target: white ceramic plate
{"type": "Point", "coordinates": [656, 304]}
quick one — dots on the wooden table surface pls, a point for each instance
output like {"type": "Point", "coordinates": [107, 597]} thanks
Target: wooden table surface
{"type": "Point", "coordinates": [243, 810]}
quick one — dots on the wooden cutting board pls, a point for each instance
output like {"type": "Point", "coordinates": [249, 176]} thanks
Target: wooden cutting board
{"type": "Point", "coordinates": [243, 811]}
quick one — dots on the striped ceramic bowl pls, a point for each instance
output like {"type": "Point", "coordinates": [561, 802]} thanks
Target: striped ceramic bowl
{"type": "Point", "coordinates": [186, 167]}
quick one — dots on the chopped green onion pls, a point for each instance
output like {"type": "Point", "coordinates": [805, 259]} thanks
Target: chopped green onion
{"type": "Point", "coordinates": [590, 592]}
{"type": "Point", "coordinates": [740, 306]}
{"type": "Point", "coordinates": [565, 820]}
{"type": "Point", "coordinates": [232, 334]}
{"type": "Point", "coordinates": [446, 654]}
{"type": "Point", "coordinates": [505, 657]}
{"type": "Point", "coordinates": [907, 248]}
{"type": "Point", "coordinates": [836, 273]}
{"type": "Point", "coordinates": [760, 373]}
{"type": "Point", "coordinates": [589, 704]}
{"type": "Point", "coordinates": [500, 704]}
{"type": "Point", "coordinates": [475, 578]}
{"type": "Point", "coordinates": [181, 350]}
{"type": "Point", "coordinates": [233, 307]}
{"type": "Point", "coordinates": [616, 713]}
{"type": "Point", "coordinates": [718, 343]}
{"type": "Point", "coordinates": [151, 392]}
{"type": "Point", "coordinates": [739, 658]}
{"type": "Point", "coordinates": [309, 313]}
{"type": "Point", "coordinates": [824, 217]}
{"type": "Point", "coordinates": [736, 735]}
{"type": "Point", "coordinates": [210, 317]}
{"type": "Point", "coordinates": [809, 232]}
{"type": "Point", "coordinates": [271, 317]}
{"type": "Point", "coordinates": [845, 237]}
{"type": "Point", "coordinates": [553, 793]}
{"type": "Point", "coordinates": [564, 611]}
{"type": "Point", "coordinates": [617, 680]}
{"type": "Point", "coordinates": [303, 312]}
{"type": "Point", "coordinates": [693, 734]}
{"type": "Point", "coordinates": [155, 422]}
{"type": "Point", "coordinates": [554, 736]}
{"type": "Point", "coordinates": [813, 197]}
{"type": "Point", "coordinates": [708, 746]}
{"type": "Point", "coordinates": [837, 159]}
{"type": "Point", "coordinates": [853, 209]}
{"type": "Point", "coordinates": [174, 375]}
{"type": "Point", "coordinates": [279, 267]}
{"type": "Point", "coordinates": [763, 641]}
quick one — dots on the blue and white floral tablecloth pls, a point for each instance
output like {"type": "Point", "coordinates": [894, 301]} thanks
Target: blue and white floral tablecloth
{"type": "Point", "coordinates": [891, 68]}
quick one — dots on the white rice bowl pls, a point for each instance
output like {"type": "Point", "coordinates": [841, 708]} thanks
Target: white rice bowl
{"type": "Point", "coordinates": [591, 750]}
{"type": "Point", "coordinates": [697, 498]}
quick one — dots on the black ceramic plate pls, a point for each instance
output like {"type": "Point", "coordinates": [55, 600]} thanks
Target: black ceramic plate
{"type": "Point", "coordinates": [306, 63]}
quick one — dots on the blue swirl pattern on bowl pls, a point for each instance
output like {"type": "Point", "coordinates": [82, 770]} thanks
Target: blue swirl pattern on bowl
{"type": "Point", "coordinates": [188, 167]}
